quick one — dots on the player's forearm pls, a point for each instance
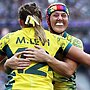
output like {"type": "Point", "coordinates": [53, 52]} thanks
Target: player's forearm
{"type": "Point", "coordinates": [6, 68]}
{"type": "Point", "coordinates": [59, 67]}
{"type": "Point", "coordinates": [79, 56]}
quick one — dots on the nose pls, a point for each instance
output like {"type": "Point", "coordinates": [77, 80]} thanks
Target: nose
{"type": "Point", "coordinates": [59, 17]}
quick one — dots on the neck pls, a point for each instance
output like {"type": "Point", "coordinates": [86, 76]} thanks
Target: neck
{"type": "Point", "coordinates": [61, 33]}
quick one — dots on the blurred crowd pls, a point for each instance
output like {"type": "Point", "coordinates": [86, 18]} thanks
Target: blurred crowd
{"type": "Point", "coordinates": [79, 26]}
{"type": "Point", "coordinates": [79, 21]}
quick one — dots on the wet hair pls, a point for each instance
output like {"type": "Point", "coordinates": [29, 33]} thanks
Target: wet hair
{"type": "Point", "coordinates": [33, 10]}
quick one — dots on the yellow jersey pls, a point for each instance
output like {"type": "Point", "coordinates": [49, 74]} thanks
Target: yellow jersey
{"type": "Point", "coordinates": [61, 82]}
{"type": "Point", "coordinates": [37, 76]}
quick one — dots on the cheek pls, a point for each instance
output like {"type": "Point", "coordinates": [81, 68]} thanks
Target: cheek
{"type": "Point", "coordinates": [66, 22]}
{"type": "Point", "coordinates": [52, 22]}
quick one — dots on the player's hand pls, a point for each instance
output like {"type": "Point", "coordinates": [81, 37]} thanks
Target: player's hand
{"type": "Point", "coordinates": [17, 63]}
{"type": "Point", "coordinates": [37, 54]}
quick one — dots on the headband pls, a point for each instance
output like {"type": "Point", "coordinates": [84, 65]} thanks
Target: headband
{"type": "Point", "coordinates": [57, 7]}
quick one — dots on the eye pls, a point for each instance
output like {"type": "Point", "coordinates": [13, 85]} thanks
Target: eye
{"type": "Point", "coordinates": [56, 15]}
{"type": "Point", "coordinates": [64, 15]}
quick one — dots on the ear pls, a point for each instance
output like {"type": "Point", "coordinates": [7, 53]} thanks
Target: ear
{"type": "Point", "coordinates": [21, 22]}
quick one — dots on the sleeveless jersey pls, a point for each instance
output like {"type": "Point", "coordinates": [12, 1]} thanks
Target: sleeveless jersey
{"type": "Point", "coordinates": [37, 76]}
{"type": "Point", "coordinates": [61, 82]}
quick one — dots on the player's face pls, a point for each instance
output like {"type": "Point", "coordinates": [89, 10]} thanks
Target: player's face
{"type": "Point", "coordinates": [59, 21]}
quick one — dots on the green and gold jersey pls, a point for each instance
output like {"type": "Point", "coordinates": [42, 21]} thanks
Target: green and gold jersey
{"type": "Point", "coordinates": [61, 82]}
{"type": "Point", "coordinates": [37, 76]}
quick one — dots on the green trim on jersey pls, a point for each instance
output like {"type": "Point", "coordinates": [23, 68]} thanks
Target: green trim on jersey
{"type": "Point", "coordinates": [66, 49]}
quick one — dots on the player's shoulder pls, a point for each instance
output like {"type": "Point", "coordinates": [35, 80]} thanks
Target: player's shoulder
{"type": "Point", "coordinates": [7, 35]}
{"type": "Point", "coordinates": [71, 38]}
{"type": "Point", "coordinates": [76, 41]}
{"type": "Point", "coordinates": [48, 33]}
{"type": "Point", "coordinates": [11, 35]}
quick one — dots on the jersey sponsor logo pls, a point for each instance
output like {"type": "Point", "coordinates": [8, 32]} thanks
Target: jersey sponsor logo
{"type": "Point", "coordinates": [30, 41]}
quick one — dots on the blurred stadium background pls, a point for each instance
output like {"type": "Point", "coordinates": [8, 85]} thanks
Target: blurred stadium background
{"type": "Point", "coordinates": [79, 26]}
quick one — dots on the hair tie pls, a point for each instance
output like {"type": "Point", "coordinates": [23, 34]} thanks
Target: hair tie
{"type": "Point", "coordinates": [31, 20]}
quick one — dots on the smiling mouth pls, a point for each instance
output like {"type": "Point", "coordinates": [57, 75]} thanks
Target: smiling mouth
{"type": "Point", "coordinates": [59, 24]}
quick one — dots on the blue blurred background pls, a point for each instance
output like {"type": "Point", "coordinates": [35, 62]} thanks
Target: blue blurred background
{"type": "Point", "coordinates": [79, 26]}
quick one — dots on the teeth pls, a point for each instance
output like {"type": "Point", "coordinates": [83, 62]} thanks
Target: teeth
{"type": "Point", "coordinates": [59, 23]}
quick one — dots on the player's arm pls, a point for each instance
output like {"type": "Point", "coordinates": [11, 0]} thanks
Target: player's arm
{"type": "Point", "coordinates": [66, 68]}
{"type": "Point", "coordinates": [79, 56]}
{"type": "Point", "coordinates": [74, 53]}
{"type": "Point", "coordinates": [3, 43]}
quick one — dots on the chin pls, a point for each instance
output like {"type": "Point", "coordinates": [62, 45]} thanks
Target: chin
{"type": "Point", "coordinates": [60, 30]}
